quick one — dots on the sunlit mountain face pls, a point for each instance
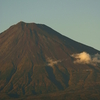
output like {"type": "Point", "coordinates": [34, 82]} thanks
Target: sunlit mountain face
{"type": "Point", "coordinates": [36, 62]}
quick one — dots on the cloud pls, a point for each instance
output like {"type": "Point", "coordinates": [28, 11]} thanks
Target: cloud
{"type": "Point", "coordinates": [86, 58]}
{"type": "Point", "coordinates": [52, 62]}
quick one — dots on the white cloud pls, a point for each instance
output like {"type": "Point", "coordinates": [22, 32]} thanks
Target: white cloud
{"type": "Point", "coordinates": [52, 62]}
{"type": "Point", "coordinates": [85, 58]}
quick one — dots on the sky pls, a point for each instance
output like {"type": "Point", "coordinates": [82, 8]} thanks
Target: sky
{"type": "Point", "coordinates": [76, 19]}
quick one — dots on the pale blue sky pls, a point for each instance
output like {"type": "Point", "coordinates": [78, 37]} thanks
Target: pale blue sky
{"type": "Point", "coordinates": [76, 19]}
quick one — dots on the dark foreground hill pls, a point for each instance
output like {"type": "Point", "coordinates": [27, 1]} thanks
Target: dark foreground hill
{"type": "Point", "coordinates": [38, 63]}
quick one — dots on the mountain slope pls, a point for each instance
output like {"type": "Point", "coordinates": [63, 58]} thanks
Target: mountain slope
{"type": "Point", "coordinates": [36, 60]}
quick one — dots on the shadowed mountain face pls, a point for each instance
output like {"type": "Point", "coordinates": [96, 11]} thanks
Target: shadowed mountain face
{"type": "Point", "coordinates": [36, 62]}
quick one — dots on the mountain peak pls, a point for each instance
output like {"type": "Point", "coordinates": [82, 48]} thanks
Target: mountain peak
{"type": "Point", "coordinates": [24, 23]}
{"type": "Point", "coordinates": [21, 22]}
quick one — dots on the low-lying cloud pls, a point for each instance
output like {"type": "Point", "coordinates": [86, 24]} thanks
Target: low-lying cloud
{"type": "Point", "coordinates": [52, 62]}
{"type": "Point", "coordinates": [86, 58]}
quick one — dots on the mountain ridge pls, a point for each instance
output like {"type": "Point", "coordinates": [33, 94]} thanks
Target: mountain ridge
{"type": "Point", "coordinates": [46, 28]}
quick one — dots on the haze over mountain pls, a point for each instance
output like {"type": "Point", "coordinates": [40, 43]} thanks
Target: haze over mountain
{"type": "Point", "coordinates": [36, 62]}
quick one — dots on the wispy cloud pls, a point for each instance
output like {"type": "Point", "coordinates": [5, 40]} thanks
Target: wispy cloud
{"type": "Point", "coordinates": [86, 58]}
{"type": "Point", "coordinates": [52, 62]}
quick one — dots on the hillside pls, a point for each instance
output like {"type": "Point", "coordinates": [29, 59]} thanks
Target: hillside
{"type": "Point", "coordinates": [36, 62]}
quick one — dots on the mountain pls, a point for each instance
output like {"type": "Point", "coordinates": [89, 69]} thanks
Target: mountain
{"type": "Point", "coordinates": [36, 62]}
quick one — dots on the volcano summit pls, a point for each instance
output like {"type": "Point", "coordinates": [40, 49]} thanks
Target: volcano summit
{"type": "Point", "coordinates": [36, 62]}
